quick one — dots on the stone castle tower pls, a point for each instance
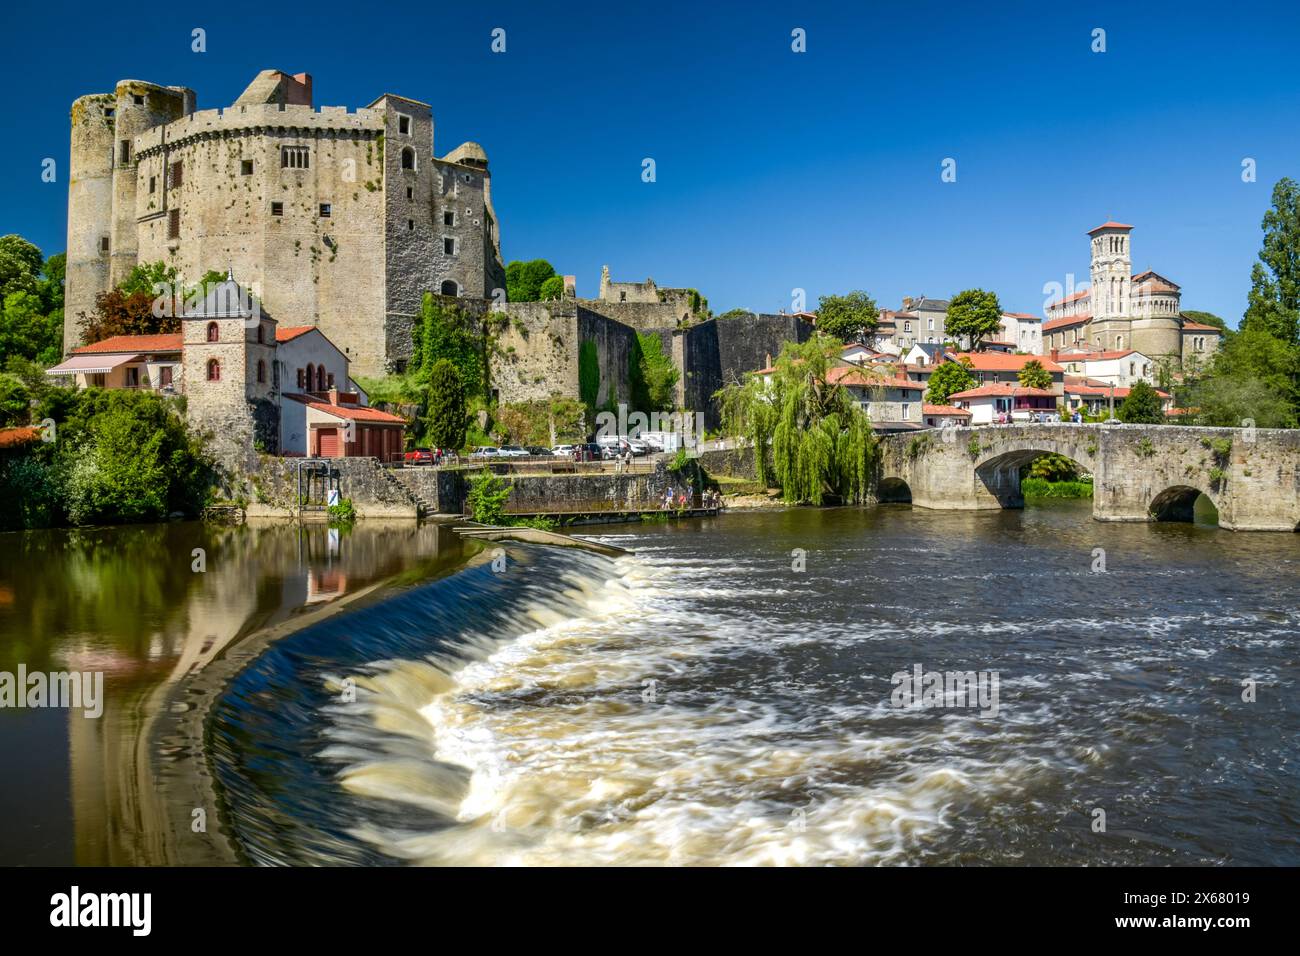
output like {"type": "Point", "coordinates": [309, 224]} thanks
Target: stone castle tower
{"type": "Point", "coordinates": [338, 219]}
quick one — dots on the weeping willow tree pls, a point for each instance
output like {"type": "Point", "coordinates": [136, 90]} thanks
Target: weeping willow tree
{"type": "Point", "coordinates": [806, 430]}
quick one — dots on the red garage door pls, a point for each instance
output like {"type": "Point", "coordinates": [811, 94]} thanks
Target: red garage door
{"type": "Point", "coordinates": [329, 442]}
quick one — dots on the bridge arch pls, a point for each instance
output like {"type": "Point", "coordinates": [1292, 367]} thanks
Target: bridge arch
{"type": "Point", "coordinates": [894, 491]}
{"type": "Point", "coordinates": [1178, 503]}
{"type": "Point", "coordinates": [1000, 473]}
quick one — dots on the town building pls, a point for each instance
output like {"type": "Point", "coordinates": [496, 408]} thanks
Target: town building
{"type": "Point", "coordinates": [1023, 332]}
{"type": "Point", "coordinates": [1004, 403]}
{"type": "Point", "coordinates": [248, 384]}
{"type": "Point", "coordinates": [1123, 310]}
{"type": "Point", "coordinates": [1122, 368]}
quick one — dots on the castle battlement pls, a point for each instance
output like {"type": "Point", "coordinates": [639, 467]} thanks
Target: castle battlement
{"type": "Point", "coordinates": [284, 120]}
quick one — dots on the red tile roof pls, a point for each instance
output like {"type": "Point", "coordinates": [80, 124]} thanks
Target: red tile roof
{"type": "Point", "coordinates": [1005, 362]}
{"type": "Point", "coordinates": [357, 413]}
{"type": "Point", "coordinates": [17, 437]}
{"type": "Point", "coordinates": [1003, 389]}
{"type": "Point", "coordinates": [1070, 298]}
{"type": "Point", "coordinates": [1069, 320]}
{"type": "Point", "coordinates": [292, 332]}
{"type": "Point", "coordinates": [1110, 224]}
{"type": "Point", "coordinates": [1201, 327]}
{"type": "Point", "coordinates": [170, 342]}
{"type": "Point", "coordinates": [853, 375]}
{"type": "Point", "coordinates": [946, 410]}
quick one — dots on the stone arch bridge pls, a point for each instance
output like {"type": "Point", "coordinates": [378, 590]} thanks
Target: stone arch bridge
{"type": "Point", "coordinates": [1140, 472]}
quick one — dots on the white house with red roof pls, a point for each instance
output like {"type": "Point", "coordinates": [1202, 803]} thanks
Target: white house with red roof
{"type": "Point", "coordinates": [1001, 403]}
{"type": "Point", "coordinates": [1123, 367]}
{"type": "Point", "coordinates": [1120, 309]}
{"type": "Point", "coordinates": [247, 382]}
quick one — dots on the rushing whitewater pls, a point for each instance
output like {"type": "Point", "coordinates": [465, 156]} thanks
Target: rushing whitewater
{"type": "Point", "coordinates": [700, 702]}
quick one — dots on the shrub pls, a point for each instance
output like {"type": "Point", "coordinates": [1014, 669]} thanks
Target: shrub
{"type": "Point", "coordinates": [488, 494]}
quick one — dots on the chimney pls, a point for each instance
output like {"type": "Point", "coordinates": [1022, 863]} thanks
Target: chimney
{"type": "Point", "coordinates": [1055, 353]}
{"type": "Point", "coordinates": [907, 303]}
{"type": "Point", "coordinates": [334, 396]}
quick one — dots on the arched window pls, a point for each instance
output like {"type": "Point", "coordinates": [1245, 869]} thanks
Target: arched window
{"type": "Point", "coordinates": [408, 158]}
{"type": "Point", "coordinates": [302, 379]}
{"type": "Point", "coordinates": [320, 378]}
{"type": "Point", "coordinates": [213, 333]}
{"type": "Point", "coordinates": [449, 288]}
{"type": "Point", "coordinates": [214, 370]}
{"type": "Point", "coordinates": [261, 367]}
{"type": "Point", "coordinates": [1119, 342]}
{"type": "Point", "coordinates": [311, 376]}
{"type": "Point", "coordinates": [261, 335]}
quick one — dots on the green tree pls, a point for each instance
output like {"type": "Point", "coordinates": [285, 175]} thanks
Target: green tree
{"type": "Point", "coordinates": [1033, 375]}
{"type": "Point", "coordinates": [552, 289]}
{"type": "Point", "coordinates": [1052, 467]}
{"type": "Point", "coordinates": [15, 399]}
{"type": "Point", "coordinates": [446, 416]}
{"type": "Point", "coordinates": [28, 330]}
{"type": "Point", "coordinates": [736, 314]}
{"type": "Point", "coordinates": [821, 442]}
{"type": "Point", "coordinates": [947, 379]}
{"type": "Point", "coordinates": [20, 266]}
{"type": "Point", "coordinates": [849, 318]}
{"type": "Point", "coordinates": [524, 279]}
{"type": "Point", "coordinates": [1228, 401]}
{"type": "Point", "coordinates": [1142, 407]}
{"type": "Point", "coordinates": [973, 314]}
{"type": "Point", "coordinates": [447, 332]}
{"type": "Point", "coordinates": [488, 494]}
{"type": "Point", "coordinates": [1273, 304]}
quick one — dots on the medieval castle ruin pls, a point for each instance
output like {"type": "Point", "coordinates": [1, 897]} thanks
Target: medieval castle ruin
{"type": "Point", "coordinates": [344, 220]}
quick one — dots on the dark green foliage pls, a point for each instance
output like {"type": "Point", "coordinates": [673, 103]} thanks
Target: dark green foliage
{"type": "Point", "coordinates": [1052, 467]}
{"type": "Point", "coordinates": [1205, 318]}
{"type": "Point", "coordinates": [524, 279]}
{"type": "Point", "coordinates": [849, 318]}
{"type": "Point", "coordinates": [651, 374]}
{"type": "Point", "coordinates": [973, 314]}
{"type": "Point", "coordinates": [1042, 488]}
{"type": "Point", "coordinates": [1273, 305]}
{"type": "Point", "coordinates": [31, 301]}
{"type": "Point", "coordinates": [1142, 407]}
{"type": "Point", "coordinates": [14, 400]}
{"type": "Point", "coordinates": [1033, 375]}
{"type": "Point", "coordinates": [551, 289]}
{"type": "Point", "coordinates": [947, 379]}
{"type": "Point", "coordinates": [445, 418]}
{"type": "Point", "coordinates": [488, 494]}
{"type": "Point", "coordinates": [821, 439]}
{"type": "Point", "coordinates": [588, 374]}
{"type": "Point", "coordinates": [447, 332]}
{"type": "Point", "coordinates": [120, 456]}
{"type": "Point", "coordinates": [736, 314]}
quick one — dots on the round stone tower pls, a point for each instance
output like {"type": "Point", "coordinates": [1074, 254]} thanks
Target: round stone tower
{"type": "Point", "coordinates": [90, 207]}
{"type": "Point", "coordinates": [140, 107]}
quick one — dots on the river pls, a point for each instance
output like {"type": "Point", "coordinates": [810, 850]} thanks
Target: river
{"type": "Point", "coordinates": [723, 695]}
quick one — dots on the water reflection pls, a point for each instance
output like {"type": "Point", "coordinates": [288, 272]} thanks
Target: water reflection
{"type": "Point", "coordinates": [126, 601]}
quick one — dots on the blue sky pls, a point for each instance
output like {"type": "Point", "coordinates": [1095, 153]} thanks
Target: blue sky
{"type": "Point", "coordinates": [775, 170]}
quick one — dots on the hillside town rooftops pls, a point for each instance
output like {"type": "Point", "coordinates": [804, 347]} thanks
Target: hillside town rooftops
{"type": "Point", "coordinates": [166, 342]}
{"type": "Point", "coordinates": [1003, 389]}
{"type": "Point", "coordinates": [1004, 362]}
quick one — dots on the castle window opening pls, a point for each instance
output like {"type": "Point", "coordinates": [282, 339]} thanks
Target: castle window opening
{"type": "Point", "coordinates": [449, 245]}
{"type": "Point", "coordinates": [174, 224]}
{"type": "Point", "coordinates": [175, 174]}
{"type": "Point", "coordinates": [153, 183]}
{"type": "Point", "coordinates": [324, 210]}
{"type": "Point", "coordinates": [214, 334]}
{"type": "Point", "coordinates": [410, 225]}
{"type": "Point", "coordinates": [137, 99]}
{"type": "Point", "coordinates": [294, 157]}
{"type": "Point", "coordinates": [404, 125]}
{"type": "Point", "coordinates": [408, 158]}
{"type": "Point", "coordinates": [410, 192]}
{"type": "Point", "coordinates": [110, 112]}
{"type": "Point", "coordinates": [449, 287]}
{"type": "Point", "coordinates": [261, 371]}
{"type": "Point", "coordinates": [277, 209]}
{"type": "Point", "coordinates": [125, 151]}
{"type": "Point", "coordinates": [214, 370]}
{"type": "Point", "coordinates": [245, 167]}
{"type": "Point", "coordinates": [103, 243]}
{"type": "Point", "coordinates": [449, 217]}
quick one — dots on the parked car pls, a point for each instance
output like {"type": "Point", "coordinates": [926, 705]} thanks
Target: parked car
{"type": "Point", "coordinates": [512, 451]}
{"type": "Point", "coordinates": [419, 456]}
{"type": "Point", "coordinates": [591, 451]}
{"type": "Point", "coordinates": [537, 451]}
{"type": "Point", "coordinates": [562, 451]}
{"type": "Point", "coordinates": [639, 448]}
{"type": "Point", "coordinates": [485, 451]}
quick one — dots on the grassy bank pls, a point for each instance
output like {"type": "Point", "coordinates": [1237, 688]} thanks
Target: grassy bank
{"type": "Point", "coordinates": [1041, 488]}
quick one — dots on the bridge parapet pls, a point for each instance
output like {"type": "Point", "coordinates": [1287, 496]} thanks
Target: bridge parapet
{"type": "Point", "coordinates": [1140, 472]}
